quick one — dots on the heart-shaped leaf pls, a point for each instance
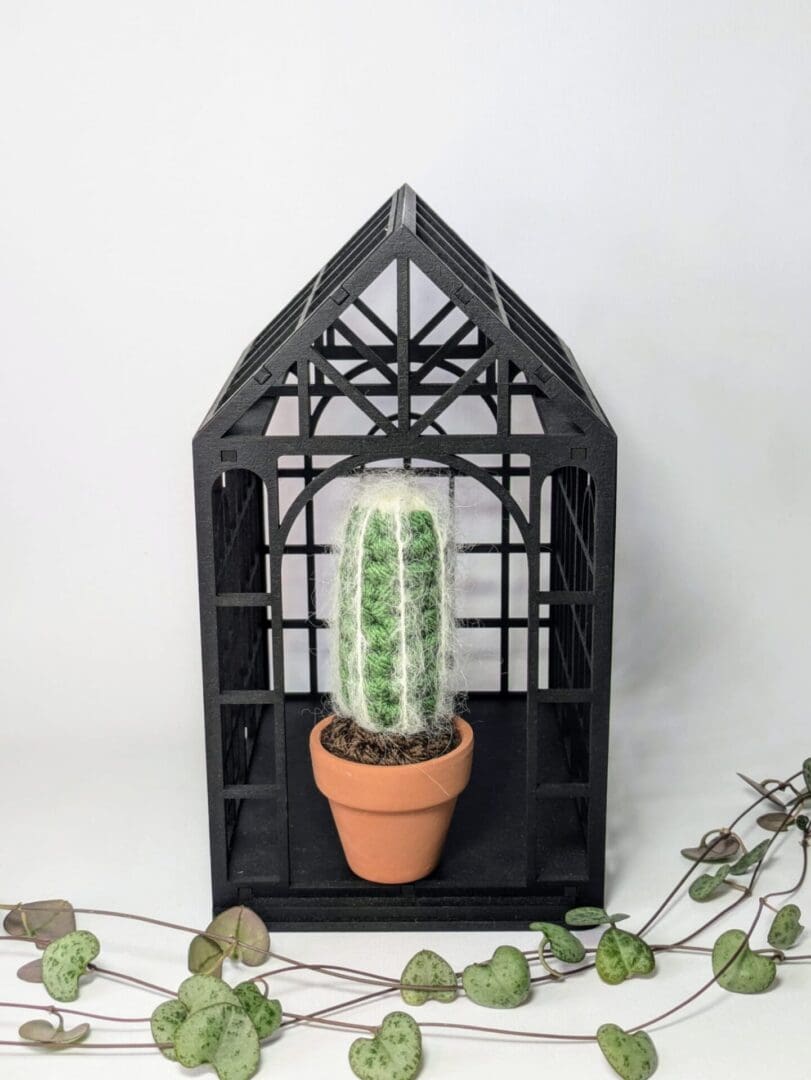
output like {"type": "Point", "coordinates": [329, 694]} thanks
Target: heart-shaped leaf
{"type": "Point", "coordinates": [707, 885]}
{"type": "Point", "coordinates": [633, 1057]}
{"type": "Point", "coordinates": [199, 991]}
{"type": "Point", "coordinates": [501, 982]}
{"type": "Point", "coordinates": [221, 1036]}
{"type": "Point", "coordinates": [427, 968]}
{"type": "Point", "coordinates": [749, 973]}
{"type": "Point", "coordinates": [57, 1038]}
{"type": "Point", "coordinates": [195, 993]}
{"type": "Point", "coordinates": [746, 862]}
{"type": "Point", "coordinates": [31, 972]}
{"type": "Point", "coordinates": [206, 957]}
{"type": "Point", "coordinates": [65, 961]}
{"type": "Point", "coordinates": [587, 916]}
{"type": "Point", "coordinates": [775, 821]}
{"type": "Point", "coordinates": [721, 849]}
{"type": "Point", "coordinates": [563, 944]}
{"type": "Point", "coordinates": [394, 1053]}
{"type": "Point", "coordinates": [265, 1013]}
{"type": "Point", "coordinates": [251, 942]}
{"type": "Point", "coordinates": [763, 789]}
{"type": "Point", "coordinates": [45, 920]}
{"type": "Point", "coordinates": [785, 928]}
{"type": "Point", "coordinates": [621, 955]}
{"type": "Point", "coordinates": [165, 1021]}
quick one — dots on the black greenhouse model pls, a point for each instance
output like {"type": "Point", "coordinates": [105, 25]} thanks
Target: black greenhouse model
{"type": "Point", "coordinates": [406, 350]}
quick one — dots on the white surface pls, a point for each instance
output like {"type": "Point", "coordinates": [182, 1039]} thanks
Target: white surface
{"type": "Point", "coordinates": [171, 175]}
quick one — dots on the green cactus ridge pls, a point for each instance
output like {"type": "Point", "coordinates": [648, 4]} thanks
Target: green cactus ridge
{"type": "Point", "coordinates": [393, 609]}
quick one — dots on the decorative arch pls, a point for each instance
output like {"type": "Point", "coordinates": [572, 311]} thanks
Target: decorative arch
{"type": "Point", "coordinates": [569, 495]}
{"type": "Point", "coordinates": [309, 580]}
{"type": "Point", "coordinates": [451, 461]}
{"type": "Point", "coordinates": [434, 425]}
{"type": "Point", "coordinates": [238, 502]}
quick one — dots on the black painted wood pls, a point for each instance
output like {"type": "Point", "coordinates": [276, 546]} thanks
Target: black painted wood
{"type": "Point", "coordinates": [528, 836]}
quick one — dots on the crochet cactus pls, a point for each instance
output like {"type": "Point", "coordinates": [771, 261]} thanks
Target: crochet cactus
{"type": "Point", "coordinates": [393, 619]}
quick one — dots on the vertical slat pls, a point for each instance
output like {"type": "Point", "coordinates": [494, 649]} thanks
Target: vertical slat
{"type": "Point", "coordinates": [305, 425]}
{"type": "Point", "coordinates": [403, 339]}
{"type": "Point", "coordinates": [258, 581]}
{"type": "Point", "coordinates": [503, 424]}
{"type": "Point", "coordinates": [276, 551]}
{"type": "Point", "coordinates": [503, 396]}
{"type": "Point", "coordinates": [504, 632]}
{"type": "Point", "coordinates": [533, 582]}
{"type": "Point", "coordinates": [603, 529]}
{"type": "Point", "coordinates": [303, 395]}
{"type": "Point", "coordinates": [205, 475]}
{"type": "Point", "coordinates": [309, 542]}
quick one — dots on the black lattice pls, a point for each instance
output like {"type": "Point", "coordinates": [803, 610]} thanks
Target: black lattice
{"type": "Point", "coordinates": [474, 388]}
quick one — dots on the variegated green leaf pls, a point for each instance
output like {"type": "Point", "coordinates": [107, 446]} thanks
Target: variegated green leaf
{"type": "Point", "coordinates": [748, 973]}
{"type": "Point", "coordinates": [707, 885]}
{"type": "Point", "coordinates": [785, 928]}
{"type": "Point", "coordinates": [65, 961]}
{"type": "Point", "coordinates": [393, 1053]}
{"type": "Point", "coordinates": [501, 982]}
{"type": "Point", "coordinates": [633, 1057]}
{"type": "Point", "coordinates": [752, 858]}
{"type": "Point", "coordinates": [562, 943]}
{"type": "Point", "coordinates": [424, 969]}
{"type": "Point", "coordinates": [621, 955]}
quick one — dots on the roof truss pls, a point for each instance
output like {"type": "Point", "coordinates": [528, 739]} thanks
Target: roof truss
{"type": "Point", "coordinates": [313, 329]}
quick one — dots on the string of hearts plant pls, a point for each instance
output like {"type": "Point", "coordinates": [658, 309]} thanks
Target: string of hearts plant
{"type": "Point", "coordinates": [207, 1022]}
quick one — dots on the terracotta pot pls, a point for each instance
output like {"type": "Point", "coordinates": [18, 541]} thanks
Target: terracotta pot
{"type": "Point", "coordinates": [392, 819]}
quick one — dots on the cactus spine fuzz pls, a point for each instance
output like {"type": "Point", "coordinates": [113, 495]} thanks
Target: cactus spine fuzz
{"type": "Point", "coordinates": [393, 618]}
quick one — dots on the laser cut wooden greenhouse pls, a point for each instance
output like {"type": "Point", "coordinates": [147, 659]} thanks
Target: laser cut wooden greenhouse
{"type": "Point", "coordinates": [406, 350]}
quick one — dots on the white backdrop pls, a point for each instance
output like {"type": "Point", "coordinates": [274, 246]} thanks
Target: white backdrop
{"type": "Point", "coordinates": [171, 175]}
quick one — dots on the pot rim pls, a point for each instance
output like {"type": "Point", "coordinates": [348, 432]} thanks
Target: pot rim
{"type": "Point", "coordinates": [464, 747]}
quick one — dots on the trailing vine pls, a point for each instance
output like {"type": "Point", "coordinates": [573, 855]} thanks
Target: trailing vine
{"type": "Point", "coordinates": [207, 1022]}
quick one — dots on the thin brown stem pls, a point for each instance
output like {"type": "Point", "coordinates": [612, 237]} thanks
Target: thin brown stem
{"type": "Point", "coordinates": [706, 986]}
{"type": "Point", "coordinates": [340, 972]}
{"type": "Point", "coordinates": [92, 1046]}
{"type": "Point", "coordinates": [688, 873]}
{"type": "Point", "coordinates": [55, 1011]}
{"type": "Point", "coordinates": [131, 979]}
{"type": "Point", "coordinates": [803, 876]}
{"type": "Point", "coordinates": [43, 942]}
{"type": "Point", "coordinates": [312, 1019]}
{"type": "Point", "coordinates": [747, 890]}
{"type": "Point", "coordinates": [361, 1000]}
{"type": "Point", "coordinates": [710, 922]}
{"type": "Point", "coordinates": [542, 958]}
{"type": "Point", "coordinates": [746, 939]}
{"type": "Point", "coordinates": [548, 1035]}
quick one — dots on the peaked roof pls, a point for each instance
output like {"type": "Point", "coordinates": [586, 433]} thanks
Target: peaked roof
{"type": "Point", "coordinates": [406, 226]}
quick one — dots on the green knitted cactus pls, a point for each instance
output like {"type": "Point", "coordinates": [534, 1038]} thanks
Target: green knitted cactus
{"type": "Point", "coordinates": [393, 618]}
